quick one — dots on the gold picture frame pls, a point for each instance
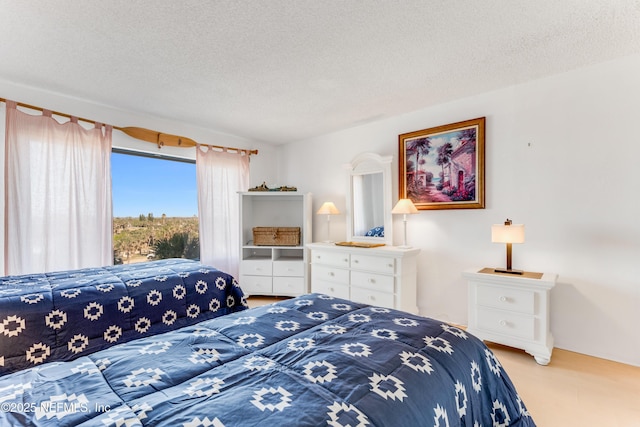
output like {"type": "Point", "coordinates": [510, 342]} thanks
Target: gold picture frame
{"type": "Point", "coordinates": [443, 167]}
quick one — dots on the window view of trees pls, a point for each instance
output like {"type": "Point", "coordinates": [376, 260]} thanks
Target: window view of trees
{"type": "Point", "coordinates": [153, 183]}
{"type": "Point", "coordinates": [146, 238]}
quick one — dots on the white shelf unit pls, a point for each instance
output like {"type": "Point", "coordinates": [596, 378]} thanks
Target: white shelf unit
{"type": "Point", "coordinates": [274, 270]}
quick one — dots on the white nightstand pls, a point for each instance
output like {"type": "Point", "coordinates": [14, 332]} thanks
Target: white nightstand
{"type": "Point", "coordinates": [512, 310]}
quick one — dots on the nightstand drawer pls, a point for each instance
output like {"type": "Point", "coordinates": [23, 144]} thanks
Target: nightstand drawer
{"type": "Point", "coordinates": [373, 263]}
{"type": "Point", "coordinates": [506, 298]}
{"type": "Point", "coordinates": [376, 282]}
{"type": "Point", "coordinates": [506, 323]}
{"type": "Point", "coordinates": [368, 296]}
{"type": "Point", "coordinates": [337, 259]}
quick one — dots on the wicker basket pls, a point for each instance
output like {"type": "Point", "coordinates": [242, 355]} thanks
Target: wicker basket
{"type": "Point", "coordinates": [276, 236]}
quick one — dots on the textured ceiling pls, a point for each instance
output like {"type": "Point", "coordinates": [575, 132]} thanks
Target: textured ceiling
{"type": "Point", "coordinates": [284, 70]}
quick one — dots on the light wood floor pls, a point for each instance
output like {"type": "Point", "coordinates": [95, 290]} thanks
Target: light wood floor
{"type": "Point", "coordinates": [573, 390]}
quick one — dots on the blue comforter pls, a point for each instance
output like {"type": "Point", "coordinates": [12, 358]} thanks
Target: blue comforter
{"type": "Point", "coordinates": [310, 361]}
{"type": "Point", "coordinates": [65, 315]}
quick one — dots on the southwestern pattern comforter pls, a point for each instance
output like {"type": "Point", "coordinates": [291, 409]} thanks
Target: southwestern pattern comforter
{"type": "Point", "coordinates": [310, 361]}
{"type": "Point", "coordinates": [64, 315]}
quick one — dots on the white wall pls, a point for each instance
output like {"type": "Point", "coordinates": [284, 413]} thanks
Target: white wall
{"type": "Point", "coordinates": [562, 157]}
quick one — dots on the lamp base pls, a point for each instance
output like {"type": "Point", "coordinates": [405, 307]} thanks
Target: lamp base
{"type": "Point", "coordinates": [507, 271]}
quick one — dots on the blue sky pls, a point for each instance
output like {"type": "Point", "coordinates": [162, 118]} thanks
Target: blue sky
{"type": "Point", "coordinates": [143, 185]}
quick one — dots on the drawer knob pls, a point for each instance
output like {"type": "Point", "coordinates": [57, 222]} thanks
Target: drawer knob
{"type": "Point", "coordinates": [331, 273]}
{"type": "Point", "coordinates": [331, 289]}
{"type": "Point", "coordinates": [355, 261]}
{"type": "Point", "coordinates": [372, 281]}
{"type": "Point", "coordinates": [502, 299]}
{"type": "Point", "coordinates": [503, 323]}
{"type": "Point", "coordinates": [372, 298]}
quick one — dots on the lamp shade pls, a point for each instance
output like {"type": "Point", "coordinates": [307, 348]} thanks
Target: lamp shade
{"type": "Point", "coordinates": [328, 208]}
{"type": "Point", "coordinates": [507, 233]}
{"type": "Point", "coordinates": [404, 206]}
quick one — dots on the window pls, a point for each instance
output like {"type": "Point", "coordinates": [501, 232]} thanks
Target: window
{"type": "Point", "coordinates": [155, 208]}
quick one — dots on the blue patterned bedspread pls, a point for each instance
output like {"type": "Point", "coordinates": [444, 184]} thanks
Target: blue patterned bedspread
{"type": "Point", "coordinates": [309, 361]}
{"type": "Point", "coordinates": [65, 315]}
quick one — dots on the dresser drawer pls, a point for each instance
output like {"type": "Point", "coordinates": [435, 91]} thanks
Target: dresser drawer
{"type": "Point", "coordinates": [338, 259]}
{"type": "Point", "coordinates": [378, 282]}
{"type": "Point", "coordinates": [338, 290]}
{"type": "Point", "coordinates": [256, 285]}
{"type": "Point", "coordinates": [373, 263]}
{"type": "Point", "coordinates": [256, 267]}
{"type": "Point", "coordinates": [329, 274]}
{"type": "Point", "coordinates": [288, 268]}
{"type": "Point", "coordinates": [506, 323]}
{"type": "Point", "coordinates": [506, 298]}
{"type": "Point", "coordinates": [288, 285]}
{"type": "Point", "coordinates": [368, 296]}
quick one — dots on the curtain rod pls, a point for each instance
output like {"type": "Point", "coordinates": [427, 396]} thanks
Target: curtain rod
{"type": "Point", "coordinates": [155, 137]}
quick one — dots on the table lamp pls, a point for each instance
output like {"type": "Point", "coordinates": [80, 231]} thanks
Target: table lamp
{"type": "Point", "coordinates": [328, 209]}
{"type": "Point", "coordinates": [404, 207]}
{"type": "Point", "coordinates": [508, 233]}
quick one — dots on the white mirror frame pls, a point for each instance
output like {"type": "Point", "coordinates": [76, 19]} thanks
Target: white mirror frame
{"type": "Point", "coordinates": [368, 163]}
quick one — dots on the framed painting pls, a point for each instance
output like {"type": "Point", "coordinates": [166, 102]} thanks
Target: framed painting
{"type": "Point", "coordinates": [443, 167]}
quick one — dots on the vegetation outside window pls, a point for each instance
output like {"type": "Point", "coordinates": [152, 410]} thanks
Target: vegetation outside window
{"type": "Point", "coordinates": [155, 208]}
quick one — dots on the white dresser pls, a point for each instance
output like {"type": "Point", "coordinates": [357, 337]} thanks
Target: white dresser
{"type": "Point", "coordinates": [383, 276]}
{"type": "Point", "coordinates": [512, 310]}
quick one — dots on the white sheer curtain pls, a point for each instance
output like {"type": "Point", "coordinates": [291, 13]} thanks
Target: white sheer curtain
{"type": "Point", "coordinates": [220, 175]}
{"type": "Point", "coordinates": [58, 194]}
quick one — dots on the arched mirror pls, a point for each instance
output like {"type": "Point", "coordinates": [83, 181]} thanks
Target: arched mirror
{"type": "Point", "coordinates": [369, 199]}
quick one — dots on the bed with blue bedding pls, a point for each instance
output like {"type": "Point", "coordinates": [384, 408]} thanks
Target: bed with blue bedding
{"type": "Point", "coordinates": [314, 360]}
{"type": "Point", "coordinates": [65, 315]}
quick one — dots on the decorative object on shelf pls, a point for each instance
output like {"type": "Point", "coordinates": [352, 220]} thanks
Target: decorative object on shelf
{"type": "Point", "coordinates": [404, 207]}
{"type": "Point", "coordinates": [508, 233]}
{"type": "Point", "coordinates": [284, 188]}
{"type": "Point", "coordinates": [443, 167]}
{"type": "Point", "coordinates": [263, 187]}
{"type": "Point", "coordinates": [328, 209]}
{"type": "Point", "coordinates": [276, 236]}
